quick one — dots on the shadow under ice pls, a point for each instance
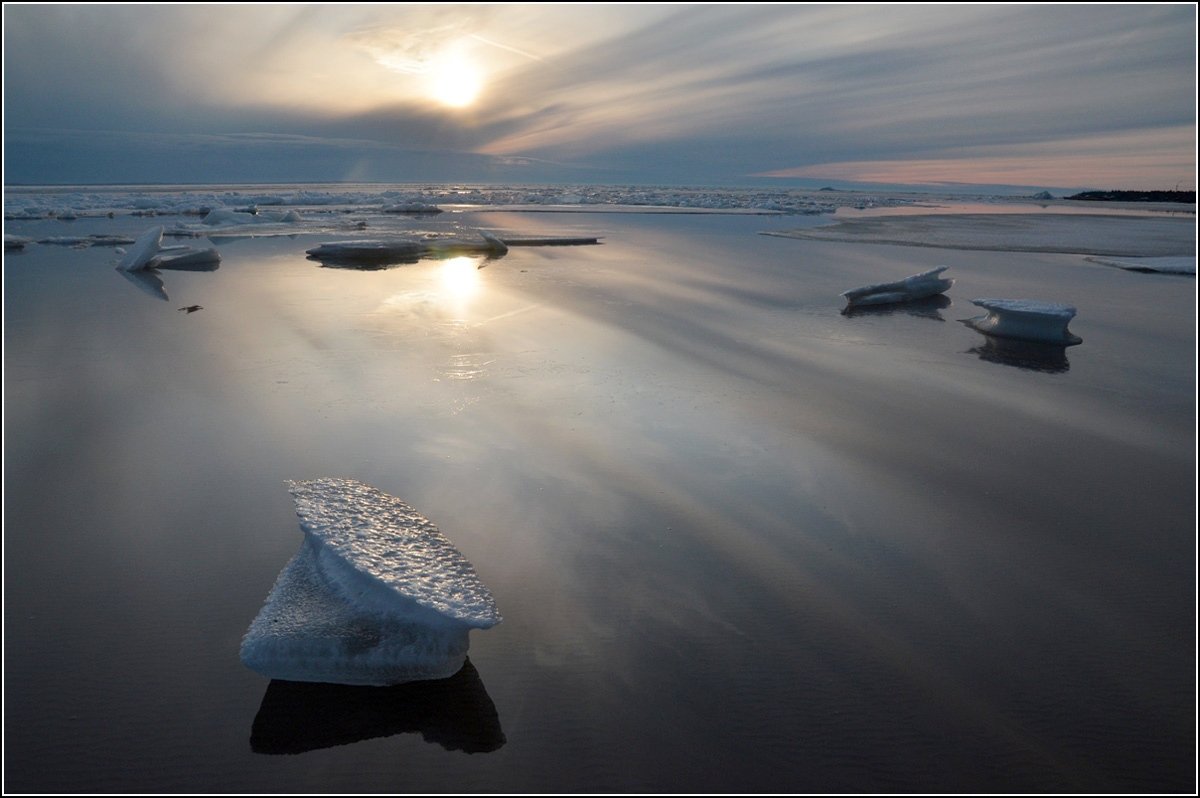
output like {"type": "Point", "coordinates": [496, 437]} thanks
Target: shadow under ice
{"type": "Point", "coordinates": [456, 713]}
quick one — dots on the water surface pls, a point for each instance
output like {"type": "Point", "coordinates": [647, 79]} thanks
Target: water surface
{"type": "Point", "coordinates": [741, 542]}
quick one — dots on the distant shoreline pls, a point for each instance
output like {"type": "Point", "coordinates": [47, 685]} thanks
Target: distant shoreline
{"type": "Point", "coordinates": [1135, 196]}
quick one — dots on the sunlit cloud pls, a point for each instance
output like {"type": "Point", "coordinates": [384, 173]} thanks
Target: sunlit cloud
{"type": "Point", "coordinates": [1146, 159]}
{"type": "Point", "coordinates": [679, 93]}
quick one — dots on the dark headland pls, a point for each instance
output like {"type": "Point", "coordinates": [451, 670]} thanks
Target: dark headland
{"type": "Point", "coordinates": [1136, 196]}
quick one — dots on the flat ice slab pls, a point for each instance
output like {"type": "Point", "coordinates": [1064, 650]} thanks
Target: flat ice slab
{"type": "Point", "coordinates": [376, 595]}
{"type": "Point", "coordinates": [401, 250]}
{"type": "Point", "coordinates": [917, 286]}
{"type": "Point", "coordinates": [1026, 319]}
{"type": "Point", "coordinates": [1176, 265]}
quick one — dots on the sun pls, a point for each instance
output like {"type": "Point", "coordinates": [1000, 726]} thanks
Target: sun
{"type": "Point", "coordinates": [453, 79]}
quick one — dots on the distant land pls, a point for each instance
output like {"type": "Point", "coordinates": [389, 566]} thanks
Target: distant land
{"type": "Point", "coordinates": [1136, 196]}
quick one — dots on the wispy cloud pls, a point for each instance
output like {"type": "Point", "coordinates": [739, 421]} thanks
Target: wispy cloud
{"type": "Point", "coordinates": [672, 92]}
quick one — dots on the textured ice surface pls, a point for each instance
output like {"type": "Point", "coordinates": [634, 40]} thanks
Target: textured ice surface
{"type": "Point", "coordinates": [377, 595]}
{"type": "Point", "coordinates": [142, 251]}
{"type": "Point", "coordinates": [918, 286]}
{"type": "Point", "coordinates": [1027, 319]}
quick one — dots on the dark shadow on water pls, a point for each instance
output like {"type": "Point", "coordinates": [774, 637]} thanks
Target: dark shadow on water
{"type": "Point", "coordinates": [360, 265]}
{"type": "Point", "coordinates": [456, 713]}
{"type": "Point", "coordinates": [926, 308]}
{"type": "Point", "coordinates": [1028, 355]}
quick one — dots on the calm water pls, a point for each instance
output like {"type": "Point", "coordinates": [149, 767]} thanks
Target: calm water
{"type": "Point", "coordinates": [741, 542]}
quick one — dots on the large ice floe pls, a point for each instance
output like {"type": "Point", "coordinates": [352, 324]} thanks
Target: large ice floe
{"type": "Point", "coordinates": [375, 596]}
{"type": "Point", "coordinates": [917, 286]}
{"type": "Point", "coordinates": [1027, 320]}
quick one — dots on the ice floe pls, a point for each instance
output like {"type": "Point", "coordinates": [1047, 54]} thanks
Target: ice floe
{"type": "Point", "coordinates": [917, 286]}
{"type": "Point", "coordinates": [1171, 265]}
{"type": "Point", "coordinates": [412, 208]}
{"type": "Point", "coordinates": [12, 242]}
{"type": "Point", "coordinates": [376, 595]}
{"type": "Point", "coordinates": [1026, 319]}
{"type": "Point", "coordinates": [143, 250]}
{"type": "Point", "coordinates": [382, 252]}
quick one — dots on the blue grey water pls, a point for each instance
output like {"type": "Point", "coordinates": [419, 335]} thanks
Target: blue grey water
{"type": "Point", "coordinates": [741, 542]}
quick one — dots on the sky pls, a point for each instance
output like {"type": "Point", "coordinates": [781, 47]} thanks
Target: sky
{"type": "Point", "coordinates": [1062, 96]}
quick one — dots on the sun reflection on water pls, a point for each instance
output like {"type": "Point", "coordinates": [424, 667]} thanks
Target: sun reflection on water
{"type": "Point", "coordinates": [460, 279]}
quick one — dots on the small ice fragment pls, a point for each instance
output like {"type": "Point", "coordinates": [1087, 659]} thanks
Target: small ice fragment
{"type": "Point", "coordinates": [142, 251]}
{"type": "Point", "coordinates": [918, 286]}
{"type": "Point", "coordinates": [1026, 319]}
{"type": "Point", "coordinates": [376, 595]}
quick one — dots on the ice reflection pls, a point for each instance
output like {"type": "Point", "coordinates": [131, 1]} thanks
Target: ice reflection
{"type": "Point", "coordinates": [150, 280]}
{"type": "Point", "coordinates": [1028, 355]}
{"type": "Point", "coordinates": [456, 713]}
{"type": "Point", "coordinates": [925, 308]}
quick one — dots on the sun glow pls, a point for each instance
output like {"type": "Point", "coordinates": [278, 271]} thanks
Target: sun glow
{"type": "Point", "coordinates": [453, 79]}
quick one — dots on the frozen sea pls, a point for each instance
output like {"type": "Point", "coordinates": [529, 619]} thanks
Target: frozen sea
{"type": "Point", "coordinates": [742, 542]}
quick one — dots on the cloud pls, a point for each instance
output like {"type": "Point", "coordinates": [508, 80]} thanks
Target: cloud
{"type": "Point", "coordinates": [680, 93]}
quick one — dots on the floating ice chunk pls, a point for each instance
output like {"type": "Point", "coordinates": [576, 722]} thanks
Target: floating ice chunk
{"type": "Point", "coordinates": [1185, 264]}
{"type": "Point", "coordinates": [918, 286]}
{"type": "Point", "coordinates": [381, 252]}
{"type": "Point", "coordinates": [376, 595]}
{"type": "Point", "coordinates": [12, 242]}
{"type": "Point", "coordinates": [368, 252]}
{"type": "Point", "coordinates": [142, 251]}
{"type": "Point", "coordinates": [1026, 319]}
{"type": "Point", "coordinates": [225, 216]}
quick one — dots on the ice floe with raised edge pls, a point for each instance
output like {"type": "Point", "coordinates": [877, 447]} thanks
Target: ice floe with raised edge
{"type": "Point", "coordinates": [917, 286]}
{"type": "Point", "coordinates": [142, 251]}
{"type": "Point", "coordinates": [377, 595]}
{"type": "Point", "coordinates": [1027, 320]}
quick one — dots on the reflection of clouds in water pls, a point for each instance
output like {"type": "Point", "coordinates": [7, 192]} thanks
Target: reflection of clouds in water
{"type": "Point", "coordinates": [456, 713]}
